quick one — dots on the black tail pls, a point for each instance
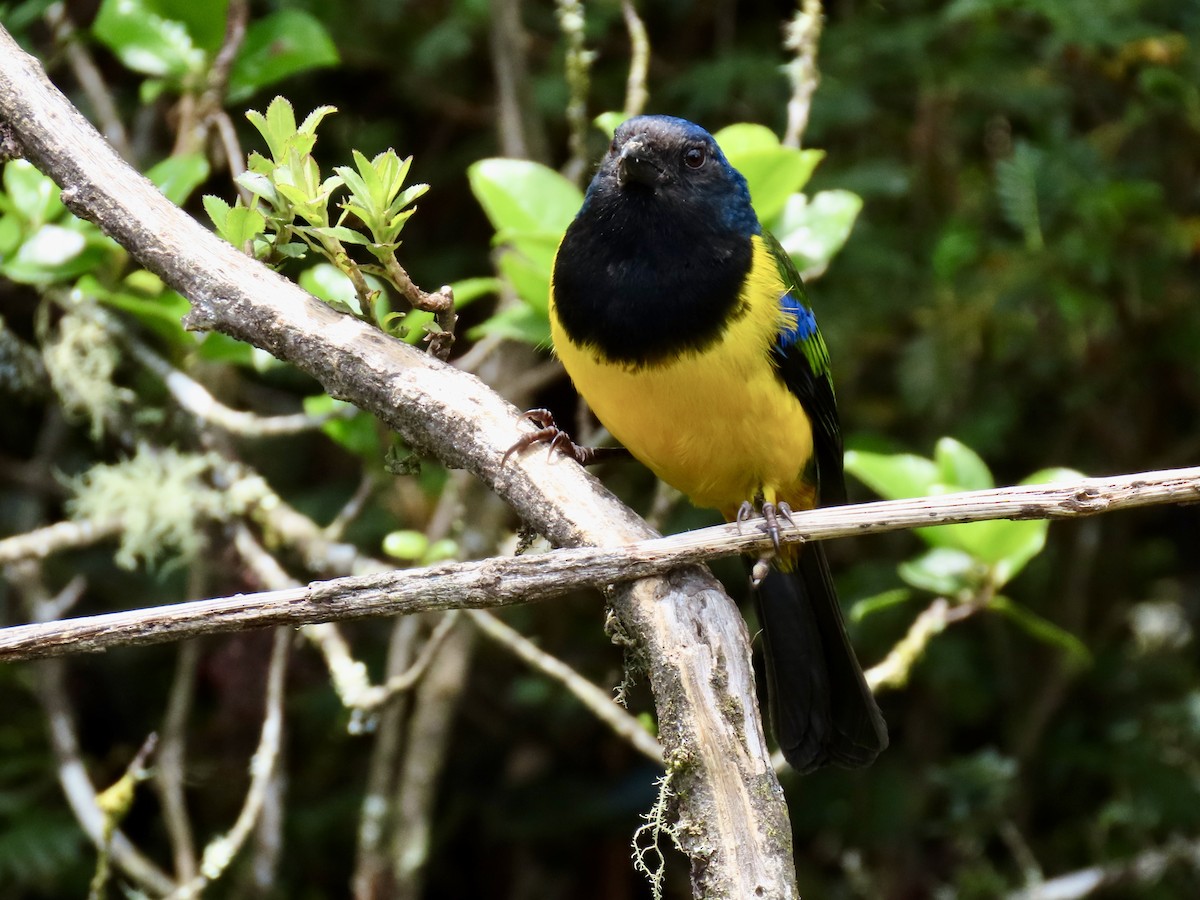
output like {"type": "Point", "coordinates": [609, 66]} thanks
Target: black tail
{"type": "Point", "coordinates": [822, 710]}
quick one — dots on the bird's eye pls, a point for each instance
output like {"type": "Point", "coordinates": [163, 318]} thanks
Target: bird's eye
{"type": "Point", "coordinates": [694, 157]}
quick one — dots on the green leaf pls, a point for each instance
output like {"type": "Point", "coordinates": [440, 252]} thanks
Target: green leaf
{"type": "Point", "coordinates": [260, 185]}
{"type": "Point", "coordinates": [277, 46]}
{"type": "Point", "coordinates": [441, 550]}
{"type": "Point", "coordinates": [812, 231]}
{"type": "Point", "coordinates": [894, 476]}
{"type": "Point", "coordinates": [217, 209]}
{"type": "Point", "coordinates": [10, 236]}
{"type": "Point", "coordinates": [942, 571]}
{"type": "Point", "coordinates": [886, 600]}
{"type": "Point", "coordinates": [30, 194]}
{"type": "Point", "coordinates": [205, 22]}
{"type": "Point", "coordinates": [522, 197]}
{"type": "Point", "coordinates": [178, 176]}
{"type": "Point", "coordinates": [377, 196]}
{"type": "Point", "coordinates": [407, 545]}
{"type": "Point", "coordinates": [52, 253]}
{"type": "Point", "coordinates": [1017, 191]}
{"type": "Point", "coordinates": [1045, 630]}
{"type": "Point", "coordinates": [1006, 546]}
{"type": "Point", "coordinates": [358, 433]}
{"type": "Point", "coordinates": [773, 172]}
{"type": "Point", "coordinates": [527, 266]}
{"type": "Point", "coordinates": [1003, 546]}
{"type": "Point", "coordinates": [217, 347]}
{"type": "Point", "coordinates": [161, 312]}
{"type": "Point", "coordinates": [277, 127]}
{"type": "Point", "coordinates": [608, 122]}
{"type": "Point", "coordinates": [146, 42]}
{"type": "Point", "coordinates": [519, 323]}
{"type": "Point", "coordinates": [470, 289]}
{"type": "Point", "coordinates": [960, 468]}
{"type": "Point", "coordinates": [236, 224]}
{"type": "Point", "coordinates": [1053, 474]}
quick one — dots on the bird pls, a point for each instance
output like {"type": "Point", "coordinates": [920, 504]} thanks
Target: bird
{"type": "Point", "coordinates": [688, 331]}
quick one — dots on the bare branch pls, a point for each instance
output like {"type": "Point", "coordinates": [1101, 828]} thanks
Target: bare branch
{"type": "Point", "coordinates": [578, 61]}
{"type": "Point", "coordinates": [88, 74]}
{"type": "Point", "coordinates": [221, 850]}
{"type": "Point", "coordinates": [894, 670]}
{"type": "Point", "coordinates": [49, 685]}
{"type": "Point", "coordinates": [636, 94]}
{"type": "Point", "coordinates": [51, 539]}
{"type": "Point", "coordinates": [502, 582]}
{"type": "Point", "coordinates": [433, 711]}
{"type": "Point", "coordinates": [599, 702]}
{"type": "Point", "coordinates": [195, 399]}
{"type": "Point", "coordinates": [372, 866]}
{"type": "Point", "coordinates": [801, 36]}
{"type": "Point", "coordinates": [169, 773]}
{"type": "Point", "coordinates": [1144, 868]}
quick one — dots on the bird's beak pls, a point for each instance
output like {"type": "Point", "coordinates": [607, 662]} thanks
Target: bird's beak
{"type": "Point", "coordinates": [636, 165]}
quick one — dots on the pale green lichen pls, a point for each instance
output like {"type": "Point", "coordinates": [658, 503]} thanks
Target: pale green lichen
{"type": "Point", "coordinates": [81, 359]}
{"type": "Point", "coordinates": [647, 856]}
{"type": "Point", "coordinates": [162, 497]}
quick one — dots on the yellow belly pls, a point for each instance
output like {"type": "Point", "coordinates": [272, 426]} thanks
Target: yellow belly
{"type": "Point", "coordinates": [718, 425]}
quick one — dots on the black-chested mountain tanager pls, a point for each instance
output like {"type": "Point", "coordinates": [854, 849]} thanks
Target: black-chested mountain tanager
{"type": "Point", "coordinates": [688, 331]}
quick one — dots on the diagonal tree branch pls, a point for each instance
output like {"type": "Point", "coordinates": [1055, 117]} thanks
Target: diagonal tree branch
{"type": "Point", "coordinates": [687, 635]}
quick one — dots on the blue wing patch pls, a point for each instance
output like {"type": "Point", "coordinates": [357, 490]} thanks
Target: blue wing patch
{"type": "Point", "coordinates": [805, 322]}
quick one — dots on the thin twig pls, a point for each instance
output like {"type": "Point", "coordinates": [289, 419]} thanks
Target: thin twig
{"type": "Point", "coordinates": [493, 583]}
{"type": "Point", "coordinates": [598, 701]}
{"type": "Point", "coordinates": [195, 398]}
{"type": "Point", "coordinates": [894, 669]}
{"type": "Point", "coordinates": [236, 19]}
{"type": "Point", "coordinates": [221, 850]}
{"type": "Point", "coordinates": [231, 149]}
{"type": "Point", "coordinates": [268, 836]}
{"type": "Point", "coordinates": [348, 675]}
{"type": "Point", "coordinates": [425, 756]}
{"type": "Point", "coordinates": [371, 864]}
{"type": "Point", "coordinates": [578, 61]}
{"type": "Point", "coordinates": [115, 802]}
{"type": "Point", "coordinates": [49, 685]}
{"type": "Point", "coordinates": [352, 508]}
{"type": "Point", "coordinates": [170, 773]}
{"type": "Point", "coordinates": [201, 107]}
{"type": "Point", "coordinates": [88, 74]}
{"type": "Point", "coordinates": [636, 93]}
{"type": "Point", "coordinates": [1144, 868]}
{"type": "Point", "coordinates": [56, 538]}
{"type": "Point", "coordinates": [517, 122]}
{"type": "Point", "coordinates": [801, 36]}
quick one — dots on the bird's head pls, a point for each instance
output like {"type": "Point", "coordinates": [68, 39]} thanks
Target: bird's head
{"type": "Point", "coordinates": [675, 168]}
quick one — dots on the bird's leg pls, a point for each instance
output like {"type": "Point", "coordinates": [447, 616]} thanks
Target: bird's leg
{"type": "Point", "coordinates": [549, 433]}
{"type": "Point", "coordinates": [771, 513]}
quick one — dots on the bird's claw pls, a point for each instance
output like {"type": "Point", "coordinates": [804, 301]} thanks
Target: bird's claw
{"type": "Point", "coordinates": [555, 438]}
{"type": "Point", "coordinates": [771, 513]}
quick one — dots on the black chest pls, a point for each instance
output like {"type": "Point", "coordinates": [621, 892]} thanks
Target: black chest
{"type": "Point", "coordinates": [640, 286]}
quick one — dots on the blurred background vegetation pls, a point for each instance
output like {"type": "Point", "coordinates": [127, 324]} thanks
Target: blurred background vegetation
{"type": "Point", "coordinates": [1021, 277]}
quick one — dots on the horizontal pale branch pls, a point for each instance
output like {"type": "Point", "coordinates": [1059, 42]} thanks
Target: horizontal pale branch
{"type": "Point", "coordinates": [505, 581]}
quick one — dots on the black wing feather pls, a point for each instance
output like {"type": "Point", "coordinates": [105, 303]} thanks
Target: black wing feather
{"type": "Point", "coordinates": [822, 709]}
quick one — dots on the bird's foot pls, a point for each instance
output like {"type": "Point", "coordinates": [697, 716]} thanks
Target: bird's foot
{"type": "Point", "coordinates": [771, 513]}
{"type": "Point", "coordinates": [555, 438]}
